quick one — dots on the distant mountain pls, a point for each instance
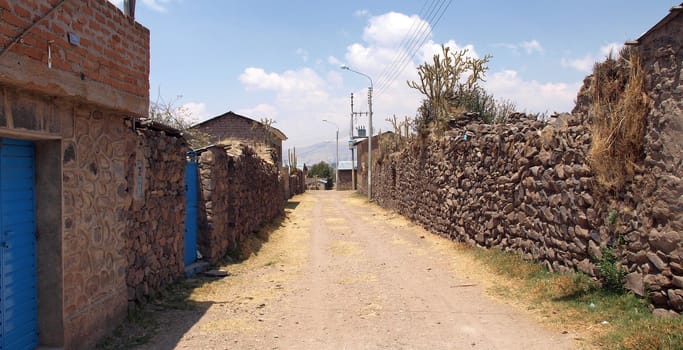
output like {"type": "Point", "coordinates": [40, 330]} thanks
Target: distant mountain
{"type": "Point", "coordinates": [323, 151]}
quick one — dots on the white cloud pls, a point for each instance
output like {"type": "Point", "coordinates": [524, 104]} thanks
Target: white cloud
{"type": "Point", "coordinates": [431, 48]}
{"type": "Point", "coordinates": [532, 46]}
{"type": "Point", "coordinates": [157, 5]}
{"type": "Point", "coordinates": [334, 61]}
{"type": "Point", "coordinates": [302, 80]}
{"type": "Point", "coordinates": [259, 111]}
{"type": "Point", "coordinates": [303, 54]}
{"type": "Point", "coordinates": [389, 29]}
{"type": "Point", "coordinates": [196, 111]}
{"type": "Point", "coordinates": [531, 95]}
{"type": "Point", "coordinates": [361, 13]}
{"type": "Point", "coordinates": [529, 47]}
{"type": "Point", "coordinates": [584, 64]}
{"type": "Point", "coordinates": [611, 48]}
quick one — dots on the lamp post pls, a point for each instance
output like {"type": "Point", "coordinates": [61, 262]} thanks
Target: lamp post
{"type": "Point", "coordinates": [345, 67]}
{"type": "Point", "coordinates": [336, 167]}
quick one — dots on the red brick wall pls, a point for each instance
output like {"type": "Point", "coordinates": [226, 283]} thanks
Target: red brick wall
{"type": "Point", "coordinates": [113, 49]}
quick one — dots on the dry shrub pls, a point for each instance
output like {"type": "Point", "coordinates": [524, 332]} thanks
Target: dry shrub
{"type": "Point", "coordinates": [620, 106]}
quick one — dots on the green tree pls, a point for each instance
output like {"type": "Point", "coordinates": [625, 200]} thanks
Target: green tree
{"type": "Point", "coordinates": [322, 170]}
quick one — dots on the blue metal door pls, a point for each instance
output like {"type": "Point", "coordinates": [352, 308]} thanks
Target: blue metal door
{"type": "Point", "coordinates": [191, 211]}
{"type": "Point", "coordinates": [18, 294]}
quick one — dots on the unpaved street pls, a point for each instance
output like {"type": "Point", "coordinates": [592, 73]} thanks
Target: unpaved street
{"type": "Point", "coordinates": [340, 273]}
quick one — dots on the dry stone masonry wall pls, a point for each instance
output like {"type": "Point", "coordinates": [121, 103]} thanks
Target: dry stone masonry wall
{"type": "Point", "coordinates": [527, 187]}
{"type": "Point", "coordinates": [239, 193]}
{"type": "Point", "coordinates": [154, 242]}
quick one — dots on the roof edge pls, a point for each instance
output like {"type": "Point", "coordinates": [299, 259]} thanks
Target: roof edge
{"type": "Point", "coordinates": [674, 12]}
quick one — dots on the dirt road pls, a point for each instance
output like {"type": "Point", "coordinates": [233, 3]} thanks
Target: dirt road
{"type": "Point", "coordinates": [340, 273]}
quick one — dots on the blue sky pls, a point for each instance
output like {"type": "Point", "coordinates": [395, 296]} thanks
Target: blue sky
{"type": "Point", "coordinates": [280, 59]}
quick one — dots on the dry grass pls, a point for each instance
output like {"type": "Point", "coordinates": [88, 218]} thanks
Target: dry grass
{"type": "Point", "coordinates": [619, 109]}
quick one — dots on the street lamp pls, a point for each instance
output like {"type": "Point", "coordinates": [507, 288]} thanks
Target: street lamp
{"type": "Point", "coordinates": [345, 67]}
{"type": "Point", "coordinates": [336, 167]}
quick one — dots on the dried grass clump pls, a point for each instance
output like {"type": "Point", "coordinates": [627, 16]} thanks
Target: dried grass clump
{"type": "Point", "coordinates": [620, 106]}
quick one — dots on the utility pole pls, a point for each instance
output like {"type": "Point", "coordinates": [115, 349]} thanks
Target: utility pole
{"type": "Point", "coordinates": [351, 147]}
{"type": "Point", "coordinates": [336, 167]}
{"type": "Point", "coordinates": [353, 115]}
{"type": "Point", "coordinates": [370, 141]}
{"type": "Point", "coordinates": [345, 67]}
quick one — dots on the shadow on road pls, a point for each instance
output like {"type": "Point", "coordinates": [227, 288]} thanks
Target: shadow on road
{"type": "Point", "coordinates": [167, 316]}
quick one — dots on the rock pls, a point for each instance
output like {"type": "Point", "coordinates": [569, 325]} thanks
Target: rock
{"type": "Point", "coordinates": [664, 313]}
{"type": "Point", "coordinates": [634, 283]}
{"type": "Point", "coordinates": [656, 261]}
{"type": "Point", "coordinates": [675, 298]}
{"type": "Point", "coordinates": [586, 267]}
{"type": "Point", "coordinates": [664, 241]}
{"type": "Point", "coordinates": [594, 250]}
{"type": "Point", "coordinates": [581, 232]}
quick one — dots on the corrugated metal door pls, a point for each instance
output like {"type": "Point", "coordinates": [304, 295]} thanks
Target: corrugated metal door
{"type": "Point", "coordinates": [18, 303]}
{"type": "Point", "coordinates": [191, 211]}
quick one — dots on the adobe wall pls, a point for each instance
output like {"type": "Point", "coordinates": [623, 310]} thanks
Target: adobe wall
{"type": "Point", "coordinates": [239, 192]}
{"type": "Point", "coordinates": [108, 66]}
{"type": "Point", "coordinates": [154, 241]}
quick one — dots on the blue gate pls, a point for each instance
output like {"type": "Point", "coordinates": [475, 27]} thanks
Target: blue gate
{"type": "Point", "coordinates": [18, 294]}
{"type": "Point", "coordinates": [191, 210]}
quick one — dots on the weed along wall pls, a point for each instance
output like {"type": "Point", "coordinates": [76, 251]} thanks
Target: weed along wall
{"type": "Point", "coordinates": [239, 192]}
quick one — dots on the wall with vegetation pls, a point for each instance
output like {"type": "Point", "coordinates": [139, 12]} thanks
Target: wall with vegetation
{"type": "Point", "coordinates": [527, 186]}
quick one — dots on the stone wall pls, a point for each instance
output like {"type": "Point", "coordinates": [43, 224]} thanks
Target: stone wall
{"type": "Point", "coordinates": [655, 250]}
{"type": "Point", "coordinates": [239, 192]}
{"type": "Point", "coordinates": [154, 241]}
{"type": "Point", "coordinates": [526, 187]}
{"type": "Point", "coordinates": [297, 182]}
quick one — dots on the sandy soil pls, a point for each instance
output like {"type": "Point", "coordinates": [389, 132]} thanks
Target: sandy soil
{"type": "Point", "coordinates": [340, 273]}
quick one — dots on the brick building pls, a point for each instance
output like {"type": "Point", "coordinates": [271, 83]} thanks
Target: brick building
{"type": "Point", "coordinates": [73, 79]}
{"type": "Point", "coordinates": [230, 126]}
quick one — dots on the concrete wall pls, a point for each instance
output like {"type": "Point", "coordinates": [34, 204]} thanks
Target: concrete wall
{"type": "Point", "coordinates": [239, 193]}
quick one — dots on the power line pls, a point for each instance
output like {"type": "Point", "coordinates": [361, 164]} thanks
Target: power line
{"type": "Point", "coordinates": [401, 47]}
{"type": "Point", "coordinates": [423, 30]}
{"type": "Point", "coordinates": [414, 50]}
